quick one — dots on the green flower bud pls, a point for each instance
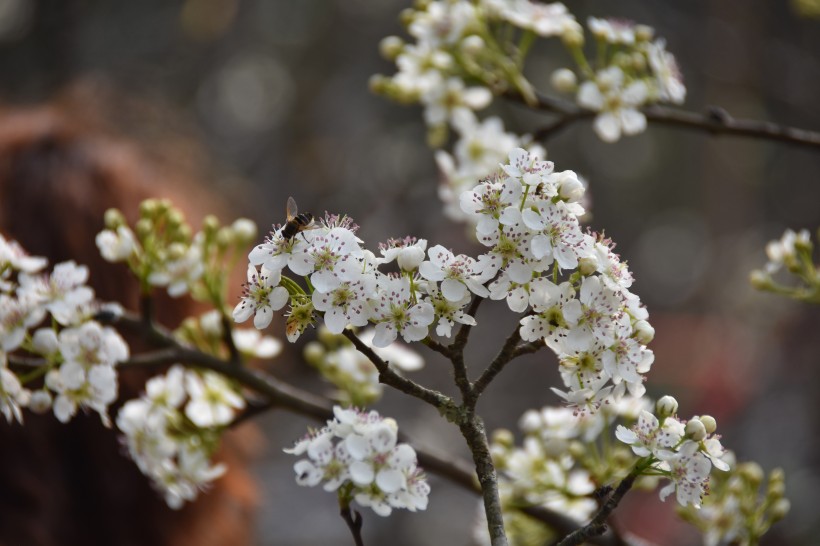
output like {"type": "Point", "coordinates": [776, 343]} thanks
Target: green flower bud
{"type": "Point", "coordinates": [695, 429]}
{"type": "Point", "coordinates": [503, 437]}
{"type": "Point", "coordinates": [709, 422]}
{"type": "Point", "coordinates": [760, 280]}
{"type": "Point", "coordinates": [587, 265]}
{"type": "Point", "coordinates": [391, 47]}
{"type": "Point", "coordinates": [564, 80]}
{"type": "Point", "coordinates": [113, 219]}
{"type": "Point", "coordinates": [149, 208]}
{"type": "Point", "coordinates": [751, 473]}
{"type": "Point", "coordinates": [644, 33]}
{"type": "Point", "coordinates": [144, 227]}
{"type": "Point", "coordinates": [666, 406]}
{"type": "Point", "coordinates": [244, 231]}
{"type": "Point", "coordinates": [779, 509]}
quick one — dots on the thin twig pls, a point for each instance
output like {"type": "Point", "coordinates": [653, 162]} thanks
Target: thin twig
{"type": "Point", "coordinates": [354, 523]}
{"type": "Point", "coordinates": [227, 335]}
{"type": "Point", "coordinates": [388, 376]}
{"type": "Point", "coordinates": [436, 346]}
{"type": "Point", "coordinates": [528, 348]}
{"type": "Point", "coordinates": [597, 526]}
{"type": "Point", "coordinates": [504, 356]}
{"type": "Point", "coordinates": [457, 354]}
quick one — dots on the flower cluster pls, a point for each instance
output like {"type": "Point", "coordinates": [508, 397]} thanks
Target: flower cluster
{"type": "Point", "coordinates": [527, 216]}
{"type": "Point", "coordinates": [633, 69]}
{"type": "Point", "coordinates": [76, 354]}
{"type": "Point", "coordinates": [353, 374]}
{"type": "Point", "coordinates": [560, 463]}
{"type": "Point", "coordinates": [790, 257]}
{"type": "Point", "coordinates": [357, 454]}
{"type": "Point", "coordinates": [682, 451]}
{"type": "Point", "coordinates": [735, 512]}
{"type": "Point", "coordinates": [462, 56]}
{"type": "Point", "coordinates": [173, 430]}
{"type": "Point", "coordinates": [164, 251]}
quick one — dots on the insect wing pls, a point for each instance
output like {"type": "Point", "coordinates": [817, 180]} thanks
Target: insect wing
{"type": "Point", "coordinates": [292, 210]}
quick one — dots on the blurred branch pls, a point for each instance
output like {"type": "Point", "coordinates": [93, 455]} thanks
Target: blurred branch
{"type": "Point", "coordinates": [716, 121]}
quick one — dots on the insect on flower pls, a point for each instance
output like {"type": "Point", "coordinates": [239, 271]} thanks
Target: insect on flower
{"type": "Point", "coordinates": [295, 223]}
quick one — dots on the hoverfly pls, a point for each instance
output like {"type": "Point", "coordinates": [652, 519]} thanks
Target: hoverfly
{"type": "Point", "coordinates": [295, 223]}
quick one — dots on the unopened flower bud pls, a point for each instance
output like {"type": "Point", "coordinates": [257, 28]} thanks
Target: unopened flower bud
{"type": "Point", "coordinates": [779, 509]}
{"type": "Point", "coordinates": [410, 258]}
{"type": "Point", "coordinates": [643, 332]}
{"type": "Point", "coordinates": [666, 406]}
{"type": "Point", "coordinates": [577, 450]}
{"type": "Point", "coordinates": [113, 219]}
{"type": "Point", "coordinates": [564, 80]}
{"type": "Point", "coordinates": [391, 47]}
{"type": "Point", "coordinates": [695, 429]}
{"type": "Point", "coordinates": [144, 227]}
{"type": "Point", "coordinates": [211, 323]}
{"type": "Point", "coordinates": [573, 35]}
{"type": "Point", "coordinates": [176, 219]}
{"type": "Point", "coordinates": [777, 475]}
{"type": "Point", "coordinates": [406, 16]}
{"type": "Point", "coordinates": [244, 230]}
{"type": "Point", "coordinates": [776, 490]}
{"type": "Point", "coordinates": [184, 232]}
{"type": "Point", "coordinates": [503, 437]}
{"type": "Point", "coordinates": [709, 422]}
{"type": "Point", "coordinates": [760, 280]}
{"type": "Point", "coordinates": [588, 265]}
{"type": "Point", "coordinates": [314, 352]}
{"type": "Point", "coordinates": [44, 342]}
{"type": "Point", "coordinates": [176, 251]}
{"type": "Point", "coordinates": [149, 208]}
{"type": "Point", "coordinates": [40, 401]}
{"type": "Point", "coordinates": [224, 237]}
{"type": "Point", "coordinates": [530, 421]}
{"type": "Point", "coordinates": [378, 84]}
{"type": "Point", "coordinates": [644, 33]}
{"type": "Point", "coordinates": [751, 473]}
{"type": "Point", "coordinates": [570, 188]}
{"type": "Point", "coordinates": [637, 61]}
{"type": "Point", "coordinates": [473, 44]}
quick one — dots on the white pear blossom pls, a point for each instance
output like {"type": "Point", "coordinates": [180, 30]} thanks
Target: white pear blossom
{"type": "Point", "coordinates": [360, 449]}
{"type": "Point", "coordinates": [394, 312]}
{"type": "Point", "coordinates": [63, 293]}
{"type": "Point", "coordinates": [174, 455]}
{"type": "Point", "coordinates": [458, 274]}
{"type": "Point", "coordinates": [617, 101]}
{"type": "Point", "coordinates": [665, 68]}
{"type": "Point", "coordinates": [117, 246]}
{"type": "Point", "coordinates": [263, 296]}
{"type": "Point", "coordinates": [13, 395]}
{"type": "Point", "coordinates": [179, 274]}
{"type": "Point", "coordinates": [449, 98]}
{"type": "Point", "coordinates": [213, 401]}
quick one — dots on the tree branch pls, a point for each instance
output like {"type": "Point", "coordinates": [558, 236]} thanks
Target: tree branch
{"type": "Point", "coordinates": [473, 431]}
{"type": "Point", "coordinates": [388, 376]}
{"type": "Point", "coordinates": [597, 526]}
{"type": "Point", "coordinates": [354, 521]}
{"type": "Point", "coordinates": [716, 121]}
{"type": "Point", "coordinates": [504, 356]}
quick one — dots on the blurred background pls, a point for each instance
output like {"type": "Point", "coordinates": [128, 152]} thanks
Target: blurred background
{"type": "Point", "coordinates": [262, 99]}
